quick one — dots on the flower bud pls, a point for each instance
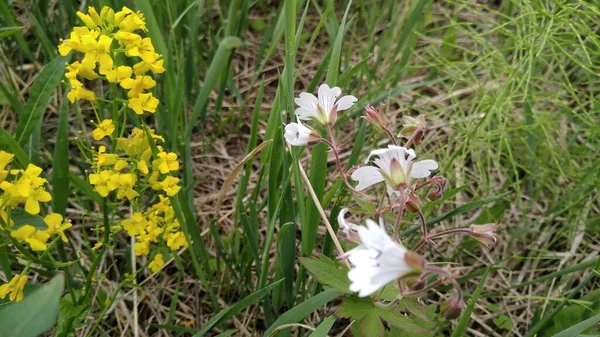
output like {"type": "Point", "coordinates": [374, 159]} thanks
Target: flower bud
{"type": "Point", "coordinates": [415, 283]}
{"type": "Point", "coordinates": [413, 128]}
{"type": "Point", "coordinates": [484, 233]}
{"type": "Point", "coordinates": [373, 116]}
{"type": "Point", "coordinates": [452, 308]}
{"type": "Point", "coordinates": [414, 261]}
{"type": "Point", "coordinates": [434, 194]}
{"type": "Point", "coordinates": [413, 204]}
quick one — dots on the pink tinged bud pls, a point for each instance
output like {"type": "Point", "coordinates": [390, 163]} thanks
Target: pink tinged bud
{"type": "Point", "coordinates": [413, 203]}
{"type": "Point", "coordinates": [452, 308]}
{"type": "Point", "coordinates": [376, 118]}
{"type": "Point", "coordinates": [413, 128]}
{"type": "Point", "coordinates": [333, 114]}
{"type": "Point", "coordinates": [484, 233]}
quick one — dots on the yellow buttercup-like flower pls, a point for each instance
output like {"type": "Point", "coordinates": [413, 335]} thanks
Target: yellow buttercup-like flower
{"type": "Point", "coordinates": [135, 225]}
{"type": "Point", "coordinates": [5, 159]}
{"type": "Point", "coordinates": [137, 85]}
{"type": "Point", "coordinates": [78, 92]}
{"type": "Point", "coordinates": [35, 238]}
{"type": "Point", "coordinates": [166, 162]}
{"type": "Point", "coordinates": [119, 75]}
{"type": "Point", "coordinates": [157, 263]}
{"type": "Point", "coordinates": [105, 128]}
{"type": "Point", "coordinates": [143, 102]}
{"type": "Point", "coordinates": [103, 182]}
{"type": "Point", "coordinates": [170, 185]}
{"type": "Point", "coordinates": [55, 224]}
{"type": "Point", "coordinates": [14, 288]}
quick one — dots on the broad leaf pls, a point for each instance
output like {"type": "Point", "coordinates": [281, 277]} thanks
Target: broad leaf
{"type": "Point", "coordinates": [328, 273]}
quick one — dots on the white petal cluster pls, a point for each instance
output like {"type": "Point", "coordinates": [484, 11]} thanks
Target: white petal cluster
{"type": "Point", "coordinates": [322, 108]}
{"type": "Point", "coordinates": [370, 175]}
{"type": "Point", "coordinates": [377, 261]}
{"type": "Point", "coordinates": [297, 134]}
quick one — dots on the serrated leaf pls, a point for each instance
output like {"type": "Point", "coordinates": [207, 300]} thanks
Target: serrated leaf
{"type": "Point", "coordinates": [416, 308]}
{"type": "Point", "coordinates": [328, 273]}
{"type": "Point", "coordinates": [401, 321]}
{"type": "Point", "coordinates": [355, 308]}
{"type": "Point", "coordinates": [39, 96]}
{"type": "Point", "coordinates": [35, 314]}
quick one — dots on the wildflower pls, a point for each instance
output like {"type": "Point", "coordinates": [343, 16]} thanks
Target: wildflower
{"type": "Point", "coordinates": [157, 263]}
{"type": "Point", "coordinates": [80, 39]}
{"type": "Point", "coordinates": [119, 75]}
{"type": "Point", "coordinates": [14, 287]}
{"type": "Point", "coordinates": [78, 69]}
{"type": "Point", "coordinates": [166, 162]}
{"type": "Point", "coordinates": [35, 238]}
{"type": "Point", "coordinates": [137, 85]}
{"type": "Point", "coordinates": [141, 248]}
{"type": "Point", "coordinates": [170, 185]}
{"type": "Point", "coordinates": [130, 21]}
{"type": "Point", "coordinates": [143, 102]}
{"type": "Point", "coordinates": [484, 233]}
{"type": "Point", "coordinates": [105, 128]}
{"type": "Point", "coordinates": [176, 240]}
{"type": "Point", "coordinates": [378, 260]}
{"type": "Point", "coordinates": [394, 165]}
{"type": "Point", "coordinates": [55, 224]}
{"type": "Point", "coordinates": [5, 159]}
{"type": "Point", "coordinates": [297, 134]}
{"type": "Point", "coordinates": [103, 182]}
{"type": "Point", "coordinates": [78, 92]}
{"type": "Point", "coordinates": [125, 183]}
{"type": "Point", "coordinates": [324, 109]}
{"type": "Point", "coordinates": [135, 225]}
{"type": "Point", "coordinates": [152, 62]}
{"type": "Point", "coordinates": [99, 52]}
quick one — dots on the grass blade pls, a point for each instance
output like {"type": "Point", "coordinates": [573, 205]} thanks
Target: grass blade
{"type": "Point", "coordinates": [324, 327]}
{"type": "Point", "coordinates": [464, 319]}
{"type": "Point", "coordinates": [233, 310]}
{"type": "Point", "coordinates": [579, 327]}
{"type": "Point", "coordinates": [60, 163]}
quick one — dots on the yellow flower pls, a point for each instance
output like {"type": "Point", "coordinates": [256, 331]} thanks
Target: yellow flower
{"type": "Point", "coordinates": [14, 287]}
{"type": "Point", "coordinates": [37, 195]}
{"type": "Point", "coordinates": [142, 165]}
{"type": "Point", "coordinates": [143, 102]}
{"type": "Point", "coordinates": [99, 52]}
{"type": "Point", "coordinates": [5, 159]}
{"type": "Point", "coordinates": [157, 264]}
{"type": "Point", "coordinates": [76, 68]}
{"type": "Point", "coordinates": [103, 184]}
{"type": "Point", "coordinates": [120, 165]}
{"type": "Point", "coordinates": [137, 85]}
{"type": "Point", "coordinates": [170, 185]}
{"type": "Point", "coordinates": [129, 21]}
{"type": "Point", "coordinates": [35, 238]}
{"type": "Point", "coordinates": [125, 183]}
{"type": "Point", "coordinates": [105, 128]}
{"type": "Point", "coordinates": [81, 39]}
{"type": "Point", "coordinates": [78, 92]}
{"type": "Point", "coordinates": [166, 162]}
{"type": "Point", "coordinates": [135, 225]}
{"type": "Point", "coordinates": [139, 47]}
{"type": "Point", "coordinates": [163, 205]}
{"type": "Point", "coordinates": [55, 224]}
{"type": "Point", "coordinates": [92, 21]}
{"type": "Point", "coordinates": [176, 240]}
{"type": "Point", "coordinates": [118, 75]}
{"type": "Point", "coordinates": [150, 62]}
{"type": "Point", "coordinates": [141, 248]}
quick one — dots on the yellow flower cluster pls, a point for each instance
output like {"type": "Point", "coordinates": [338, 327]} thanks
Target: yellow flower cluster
{"type": "Point", "coordinates": [25, 187]}
{"type": "Point", "coordinates": [130, 171]}
{"type": "Point", "coordinates": [103, 37]}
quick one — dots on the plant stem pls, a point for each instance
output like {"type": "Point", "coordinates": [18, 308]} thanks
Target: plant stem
{"type": "Point", "coordinates": [332, 144]}
{"type": "Point", "coordinates": [401, 206]}
{"type": "Point", "coordinates": [440, 234]}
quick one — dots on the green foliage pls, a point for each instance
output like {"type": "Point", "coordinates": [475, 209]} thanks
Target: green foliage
{"type": "Point", "coordinates": [328, 273]}
{"type": "Point", "coordinates": [35, 314]}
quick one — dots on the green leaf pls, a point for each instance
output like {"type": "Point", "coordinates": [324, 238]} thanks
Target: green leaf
{"type": "Point", "coordinates": [328, 273]}
{"type": "Point", "coordinates": [324, 327]}
{"type": "Point", "coordinates": [9, 142]}
{"type": "Point", "coordinates": [503, 322]}
{"type": "Point", "coordinates": [371, 326]}
{"type": "Point", "coordinates": [8, 31]}
{"type": "Point", "coordinates": [580, 327]}
{"type": "Point", "coordinates": [35, 314]}
{"type": "Point", "coordinates": [300, 311]}
{"type": "Point", "coordinates": [22, 218]}
{"type": "Point", "coordinates": [39, 96]}
{"type": "Point", "coordinates": [464, 319]}
{"type": "Point", "coordinates": [60, 162]}
{"type": "Point", "coordinates": [233, 310]}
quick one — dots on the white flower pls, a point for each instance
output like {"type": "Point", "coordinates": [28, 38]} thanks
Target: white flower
{"type": "Point", "coordinates": [297, 134]}
{"type": "Point", "coordinates": [378, 260]}
{"type": "Point", "coordinates": [348, 228]}
{"type": "Point", "coordinates": [325, 108]}
{"type": "Point", "coordinates": [394, 165]}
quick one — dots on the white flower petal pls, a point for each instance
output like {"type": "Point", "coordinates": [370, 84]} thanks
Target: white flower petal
{"type": "Point", "coordinates": [305, 114]}
{"type": "Point", "coordinates": [366, 176]}
{"type": "Point", "coordinates": [327, 97]}
{"type": "Point", "coordinates": [423, 168]}
{"type": "Point", "coordinates": [346, 102]}
{"type": "Point", "coordinates": [307, 101]}
{"type": "Point", "coordinates": [297, 134]}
